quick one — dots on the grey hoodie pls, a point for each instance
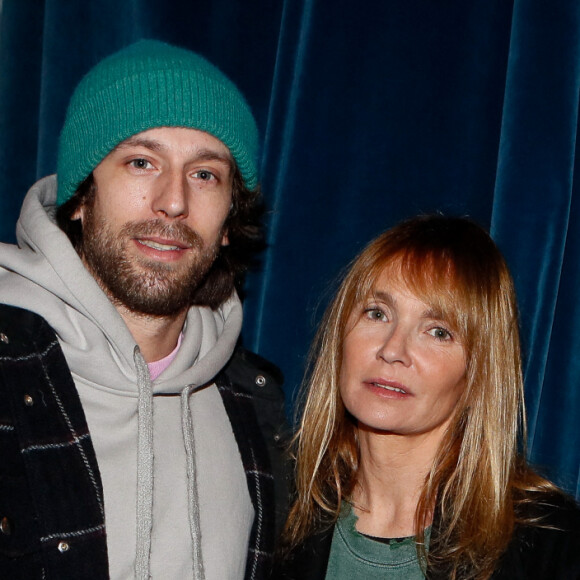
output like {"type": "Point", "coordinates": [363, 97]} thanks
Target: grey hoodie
{"type": "Point", "coordinates": [172, 475]}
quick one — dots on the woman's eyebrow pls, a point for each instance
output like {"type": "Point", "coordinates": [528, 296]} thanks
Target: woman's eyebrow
{"type": "Point", "coordinates": [433, 313]}
{"type": "Point", "coordinates": [384, 297]}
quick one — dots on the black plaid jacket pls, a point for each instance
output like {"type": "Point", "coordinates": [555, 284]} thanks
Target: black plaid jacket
{"type": "Point", "coordinates": [52, 523]}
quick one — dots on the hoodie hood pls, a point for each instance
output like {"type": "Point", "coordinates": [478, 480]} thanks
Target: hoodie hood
{"type": "Point", "coordinates": [44, 274]}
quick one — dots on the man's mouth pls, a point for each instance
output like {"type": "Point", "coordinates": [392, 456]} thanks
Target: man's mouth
{"type": "Point", "coordinates": [162, 243]}
{"type": "Point", "coordinates": [159, 246]}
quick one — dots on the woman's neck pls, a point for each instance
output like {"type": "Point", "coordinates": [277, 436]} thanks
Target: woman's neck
{"type": "Point", "coordinates": [390, 480]}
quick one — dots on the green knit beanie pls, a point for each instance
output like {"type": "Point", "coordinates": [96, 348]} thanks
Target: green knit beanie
{"type": "Point", "coordinates": [146, 85]}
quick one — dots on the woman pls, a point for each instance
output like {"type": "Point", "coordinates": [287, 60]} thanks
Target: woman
{"type": "Point", "coordinates": [408, 451]}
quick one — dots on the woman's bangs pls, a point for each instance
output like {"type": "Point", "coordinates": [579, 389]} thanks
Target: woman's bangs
{"type": "Point", "coordinates": [433, 279]}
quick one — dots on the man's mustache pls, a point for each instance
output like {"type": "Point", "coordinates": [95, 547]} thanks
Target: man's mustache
{"type": "Point", "coordinates": [178, 232]}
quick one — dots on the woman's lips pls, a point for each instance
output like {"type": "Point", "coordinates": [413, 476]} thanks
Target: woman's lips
{"type": "Point", "coordinates": [388, 387]}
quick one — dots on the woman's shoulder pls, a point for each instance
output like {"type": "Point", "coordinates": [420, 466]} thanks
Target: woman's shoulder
{"type": "Point", "coordinates": [553, 510]}
{"type": "Point", "coordinates": [546, 541]}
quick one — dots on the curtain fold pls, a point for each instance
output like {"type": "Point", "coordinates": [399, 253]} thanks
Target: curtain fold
{"type": "Point", "coordinates": [534, 219]}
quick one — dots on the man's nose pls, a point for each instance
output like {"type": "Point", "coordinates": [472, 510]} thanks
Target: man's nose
{"type": "Point", "coordinates": [171, 195]}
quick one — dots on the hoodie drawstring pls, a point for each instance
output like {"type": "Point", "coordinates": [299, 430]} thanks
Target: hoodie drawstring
{"type": "Point", "coordinates": [193, 503]}
{"type": "Point", "coordinates": [145, 473]}
{"type": "Point", "coordinates": [144, 466]}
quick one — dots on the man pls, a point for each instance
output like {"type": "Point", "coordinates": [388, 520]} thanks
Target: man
{"type": "Point", "coordinates": [125, 452]}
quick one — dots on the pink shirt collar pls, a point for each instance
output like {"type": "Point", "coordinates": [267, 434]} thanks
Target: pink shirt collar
{"type": "Point", "coordinates": [158, 366]}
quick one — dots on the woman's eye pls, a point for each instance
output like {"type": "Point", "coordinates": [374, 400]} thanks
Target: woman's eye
{"type": "Point", "coordinates": [204, 175]}
{"type": "Point", "coordinates": [440, 333]}
{"type": "Point", "coordinates": [375, 314]}
{"type": "Point", "coordinates": [141, 163]}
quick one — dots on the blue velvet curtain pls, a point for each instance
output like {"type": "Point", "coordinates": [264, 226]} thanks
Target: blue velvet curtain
{"type": "Point", "coordinates": [369, 112]}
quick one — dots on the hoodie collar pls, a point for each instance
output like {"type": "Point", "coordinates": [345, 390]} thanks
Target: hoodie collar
{"type": "Point", "coordinates": [44, 274]}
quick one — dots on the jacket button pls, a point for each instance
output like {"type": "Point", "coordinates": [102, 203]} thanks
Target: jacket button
{"type": "Point", "coordinates": [63, 547]}
{"type": "Point", "coordinates": [4, 338]}
{"type": "Point", "coordinates": [5, 526]}
{"type": "Point", "coordinates": [260, 380]}
{"type": "Point", "coordinates": [28, 400]}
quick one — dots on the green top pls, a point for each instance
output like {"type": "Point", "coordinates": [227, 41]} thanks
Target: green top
{"type": "Point", "coordinates": [354, 555]}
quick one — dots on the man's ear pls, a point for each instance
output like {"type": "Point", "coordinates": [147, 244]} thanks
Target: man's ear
{"type": "Point", "coordinates": [225, 239]}
{"type": "Point", "coordinates": [79, 213]}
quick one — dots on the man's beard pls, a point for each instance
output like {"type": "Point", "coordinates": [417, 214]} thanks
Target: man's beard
{"type": "Point", "coordinates": [142, 285]}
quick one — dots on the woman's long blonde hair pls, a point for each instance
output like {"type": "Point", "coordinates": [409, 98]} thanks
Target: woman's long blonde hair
{"type": "Point", "coordinates": [478, 476]}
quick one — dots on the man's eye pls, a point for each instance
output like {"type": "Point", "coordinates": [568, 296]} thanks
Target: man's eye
{"type": "Point", "coordinates": [375, 314]}
{"type": "Point", "coordinates": [140, 163]}
{"type": "Point", "coordinates": [204, 175]}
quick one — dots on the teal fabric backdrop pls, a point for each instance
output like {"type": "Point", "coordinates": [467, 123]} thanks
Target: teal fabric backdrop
{"type": "Point", "coordinates": [369, 113]}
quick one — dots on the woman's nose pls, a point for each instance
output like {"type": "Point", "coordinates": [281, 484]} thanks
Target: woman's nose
{"type": "Point", "coordinates": [395, 347]}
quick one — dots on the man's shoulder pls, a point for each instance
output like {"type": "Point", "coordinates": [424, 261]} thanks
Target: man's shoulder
{"type": "Point", "coordinates": [19, 327]}
{"type": "Point", "coordinates": [256, 383]}
{"type": "Point", "coordinates": [16, 315]}
{"type": "Point", "coordinates": [251, 387]}
{"type": "Point", "coordinates": [253, 373]}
